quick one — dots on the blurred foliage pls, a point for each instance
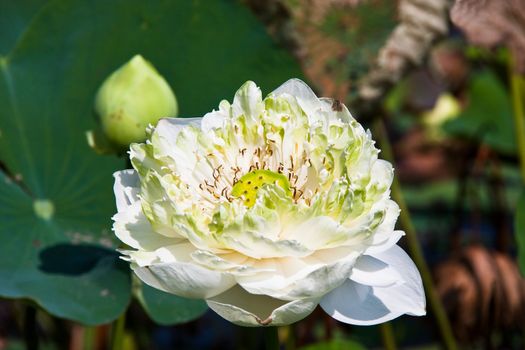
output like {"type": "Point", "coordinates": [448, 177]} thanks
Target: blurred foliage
{"type": "Point", "coordinates": [339, 40]}
{"type": "Point", "coordinates": [366, 28]}
{"type": "Point", "coordinates": [488, 115]}
{"type": "Point", "coordinates": [56, 199]}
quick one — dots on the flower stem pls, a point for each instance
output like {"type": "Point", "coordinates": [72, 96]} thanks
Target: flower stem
{"type": "Point", "coordinates": [117, 332]}
{"type": "Point", "coordinates": [387, 334]}
{"type": "Point", "coordinates": [519, 116]}
{"type": "Point", "coordinates": [289, 332]}
{"type": "Point", "coordinates": [413, 243]}
{"type": "Point", "coordinates": [271, 338]}
{"type": "Point", "coordinates": [88, 338]}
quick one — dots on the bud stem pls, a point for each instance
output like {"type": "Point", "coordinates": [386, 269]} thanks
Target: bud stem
{"type": "Point", "coordinates": [117, 332]}
{"type": "Point", "coordinates": [518, 94]}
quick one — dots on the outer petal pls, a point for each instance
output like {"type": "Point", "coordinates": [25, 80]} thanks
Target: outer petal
{"type": "Point", "coordinates": [256, 245]}
{"type": "Point", "coordinates": [177, 274]}
{"type": "Point", "coordinates": [248, 101]}
{"type": "Point", "coordinates": [166, 132]}
{"type": "Point", "coordinates": [231, 262]}
{"type": "Point", "coordinates": [302, 92]}
{"type": "Point", "coordinates": [382, 175]}
{"type": "Point", "coordinates": [387, 243]}
{"type": "Point", "coordinates": [374, 272]}
{"type": "Point", "coordinates": [215, 119]}
{"type": "Point", "coordinates": [385, 236]}
{"type": "Point", "coordinates": [245, 309]}
{"type": "Point", "coordinates": [126, 188]}
{"type": "Point", "coordinates": [321, 232]}
{"type": "Point", "coordinates": [359, 304]}
{"type": "Point", "coordinates": [336, 110]}
{"type": "Point", "coordinates": [169, 128]}
{"type": "Point", "coordinates": [184, 279]}
{"type": "Point", "coordinates": [130, 224]}
{"type": "Point", "coordinates": [308, 277]}
{"type": "Point", "coordinates": [132, 228]}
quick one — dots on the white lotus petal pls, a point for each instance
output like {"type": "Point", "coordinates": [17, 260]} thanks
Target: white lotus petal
{"type": "Point", "coordinates": [166, 132]}
{"type": "Point", "coordinates": [385, 244]}
{"type": "Point", "coordinates": [176, 253]}
{"type": "Point", "coordinates": [132, 228]}
{"type": "Point", "coordinates": [359, 304]}
{"type": "Point", "coordinates": [130, 224]}
{"type": "Point", "coordinates": [245, 309]}
{"type": "Point", "coordinates": [382, 175]}
{"type": "Point", "coordinates": [126, 188]}
{"type": "Point", "coordinates": [335, 110]}
{"type": "Point", "coordinates": [311, 276]}
{"type": "Point", "coordinates": [139, 257]}
{"type": "Point", "coordinates": [385, 236]}
{"type": "Point", "coordinates": [374, 272]}
{"type": "Point", "coordinates": [321, 232]}
{"type": "Point", "coordinates": [248, 101]}
{"type": "Point", "coordinates": [302, 92]}
{"type": "Point", "coordinates": [185, 279]}
{"type": "Point", "coordinates": [213, 120]}
{"type": "Point", "coordinates": [169, 128]}
{"type": "Point", "coordinates": [231, 262]}
{"type": "Point", "coordinates": [256, 245]}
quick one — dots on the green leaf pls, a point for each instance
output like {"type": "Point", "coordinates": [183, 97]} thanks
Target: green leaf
{"type": "Point", "coordinates": [169, 309]}
{"type": "Point", "coordinates": [14, 19]}
{"type": "Point", "coordinates": [38, 260]}
{"type": "Point", "coordinates": [519, 225]}
{"type": "Point", "coordinates": [56, 197]}
{"type": "Point", "coordinates": [488, 116]}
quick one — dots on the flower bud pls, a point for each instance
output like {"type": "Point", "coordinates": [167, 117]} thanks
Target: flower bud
{"type": "Point", "coordinates": [130, 99]}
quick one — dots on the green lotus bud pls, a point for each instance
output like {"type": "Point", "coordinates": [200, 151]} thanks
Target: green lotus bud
{"type": "Point", "coordinates": [130, 99]}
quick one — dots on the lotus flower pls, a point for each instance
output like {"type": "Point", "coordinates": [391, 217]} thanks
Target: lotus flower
{"type": "Point", "coordinates": [265, 209]}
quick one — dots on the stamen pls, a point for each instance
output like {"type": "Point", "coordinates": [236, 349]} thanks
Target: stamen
{"type": "Point", "coordinates": [216, 175]}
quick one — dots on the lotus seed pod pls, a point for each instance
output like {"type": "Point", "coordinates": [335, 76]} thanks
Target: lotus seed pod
{"type": "Point", "coordinates": [130, 99]}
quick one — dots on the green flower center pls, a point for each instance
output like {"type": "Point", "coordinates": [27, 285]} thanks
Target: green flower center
{"type": "Point", "coordinates": [248, 185]}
